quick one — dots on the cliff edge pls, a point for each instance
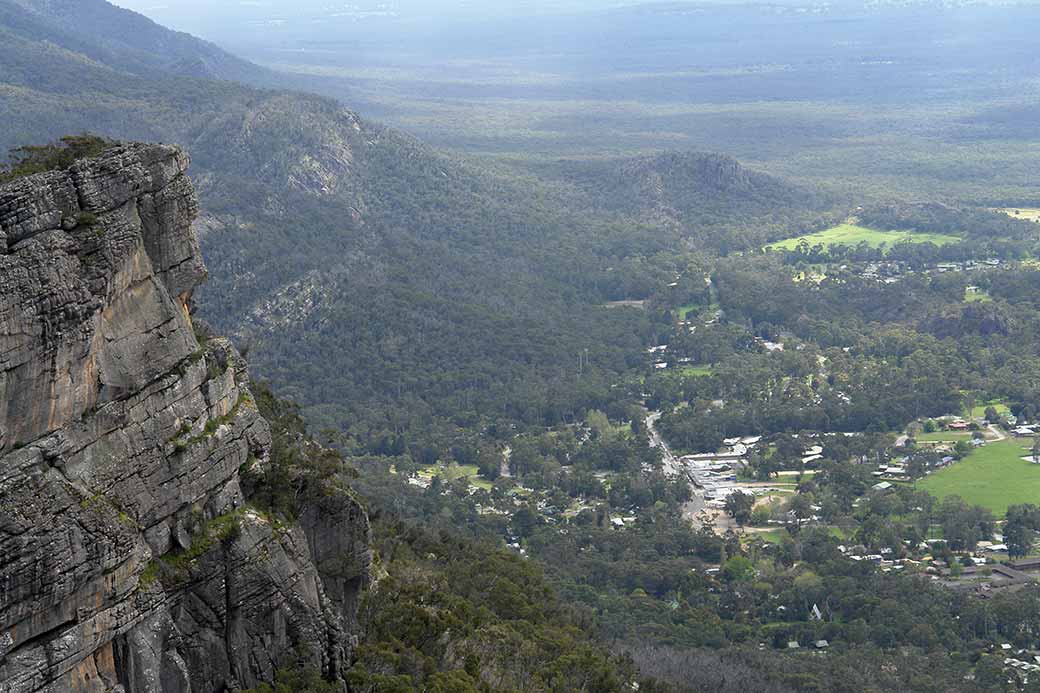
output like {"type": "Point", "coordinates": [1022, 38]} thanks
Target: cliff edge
{"type": "Point", "coordinates": [130, 556]}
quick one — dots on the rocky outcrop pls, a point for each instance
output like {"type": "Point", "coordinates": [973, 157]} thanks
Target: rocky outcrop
{"type": "Point", "coordinates": [672, 186]}
{"type": "Point", "coordinates": [130, 557]}
{"type": "Point", "coordinates": [694, 169]}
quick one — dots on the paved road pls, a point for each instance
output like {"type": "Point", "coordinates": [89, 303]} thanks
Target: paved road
{"type": "Point", "coordinates": [692, 509]}
{"type": "Point", "coordinates": [673, 467]}
{"type": "Point", "coordinates": [504, 469]}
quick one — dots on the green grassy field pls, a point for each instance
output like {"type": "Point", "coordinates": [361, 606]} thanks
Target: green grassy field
{"type": "Point", "coordinates": [977, 297]}
{"type": "Point", "coordinates": [1027, 213]}
{"type": "Point", "coordinates": [453, 471]}
{"type": "Point", "coordinates": [994, 476]}
{"type": "Point", "coordinates": [850, 234]}
{"type": "Point", "coordinates": [773, 536]}
{"type": "Point", "coordinates": [979, 410]}
{"type": "Point", "coordinates": [695, 371]}
{"type": "Point", "coordinates": [839, 533]}
{"type": "Point", "coordinates": [782, 536]}
{"type": "Point", "coordinates": [942, 437]}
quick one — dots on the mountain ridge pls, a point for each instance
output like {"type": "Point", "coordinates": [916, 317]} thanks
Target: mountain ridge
{"type": "Point", "coordinates": [478, 282]}
{"type": "Point", "coordinates": [138, 43]}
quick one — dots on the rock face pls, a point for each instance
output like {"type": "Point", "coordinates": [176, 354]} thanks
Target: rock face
{"type": "Point", "coordinates": [129, 555]}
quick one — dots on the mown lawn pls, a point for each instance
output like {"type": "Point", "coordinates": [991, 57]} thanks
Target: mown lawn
{"type": "Point", "coordinates": [979, 411]}
{"type": "Point", "coordinates": [452, 471]}
{"type": "Point", "coordinates": [942, 437]}
{"type": "Point", "coordinates": [977, 297]}
{"type": "Point", "coordinates": [689, 371]}
{"type": "Point", "coordinates": [1027, 213]}
{"type": "Point", "coordinates": [850, 234]}
{"type": "Point", "coordinates": [684, 311]}
{"type": "Point", "coordinates": [994, 476]}
{"type": "Point", "coordinates": [772, 536]}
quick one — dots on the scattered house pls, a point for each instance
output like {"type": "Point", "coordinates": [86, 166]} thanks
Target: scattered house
{"type": "Point", "coordinates": [618, 523]}
{"type": "Point", "coordinates": [815, 614]}
{"type": "Point", "coordinates": [958, 425]}
{"type": "Point", "coordinates": [812, 454]}
{"type": "Point", "coordinates": [1026, 565]}
{"type": "Point", "coordinates": [894, 472]}
{"type": "Point", "coordinates": [883, 486]}
{"type": "Point", "coordinates": [822, 644]}
{"type": "Point", "coordinates": [660, 366]}
{"type": "Point", "coordinates": [998, 577]}
{"type": "Point", "coordinates": [711, 457]}
{"type": "Point", "coordinates": [793, 645]}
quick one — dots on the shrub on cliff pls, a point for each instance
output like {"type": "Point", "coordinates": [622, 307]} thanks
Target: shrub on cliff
{"type": "Point", "coordinates": [26, 161]}
{"type": "Point", "coordinates": [300, 469]}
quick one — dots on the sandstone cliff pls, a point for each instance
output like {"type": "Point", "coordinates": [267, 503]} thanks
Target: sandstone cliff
{"type": "Point", "coordinates": [130, 557]}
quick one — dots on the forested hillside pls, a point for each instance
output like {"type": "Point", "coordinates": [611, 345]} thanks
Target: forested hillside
{"type": "Point", "coordinates": [624, 419]}
{"type": "Point", "coordinates": [124, 40]}
{"type": "Point", "coordinates": [375, 280]}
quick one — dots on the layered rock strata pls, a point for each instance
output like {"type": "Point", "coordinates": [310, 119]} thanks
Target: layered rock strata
{"type": "Point", "coordinates": [130, 558]}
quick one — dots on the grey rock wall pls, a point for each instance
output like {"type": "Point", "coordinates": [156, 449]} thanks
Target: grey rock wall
{"type": "Point", "coordinates": [129, 556]}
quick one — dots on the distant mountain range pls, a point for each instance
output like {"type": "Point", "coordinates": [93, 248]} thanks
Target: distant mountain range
{"type": "Point", "coordinates": [364, 268]}
{"type": "Point", "coordinates": [123, 39]}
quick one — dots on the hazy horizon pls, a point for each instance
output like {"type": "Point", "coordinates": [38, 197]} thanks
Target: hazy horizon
{"type": "Point", "coordinates": [210, 17]}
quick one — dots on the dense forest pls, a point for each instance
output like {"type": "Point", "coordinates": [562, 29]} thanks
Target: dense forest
{"type": "Point", "coordinates": [375, 280]}
{"type": "Point", "coordinates": [503, 358]}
